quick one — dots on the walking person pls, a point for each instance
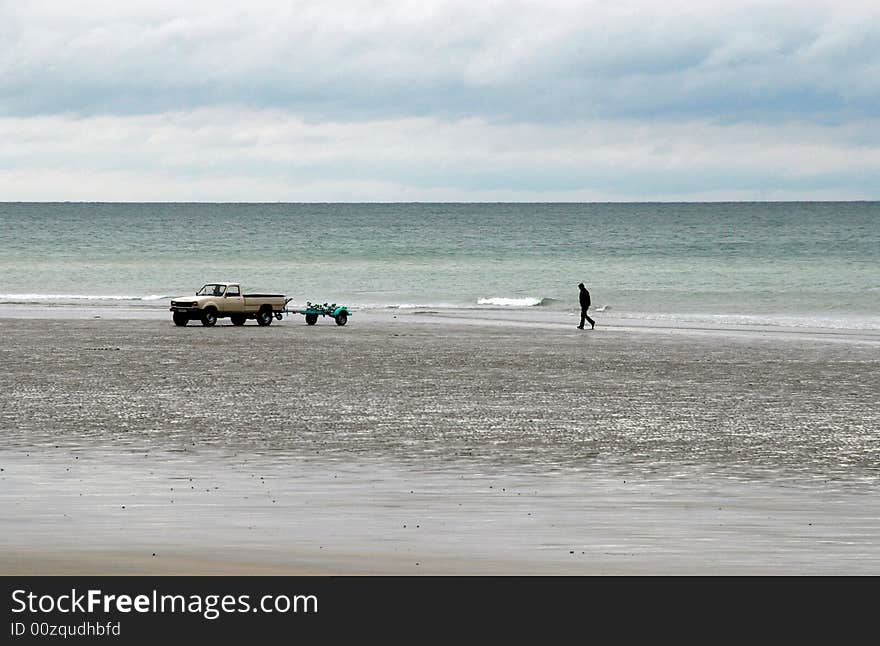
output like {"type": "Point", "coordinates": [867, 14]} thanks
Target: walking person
{"type": "Point", "coordinates": [585, 305]}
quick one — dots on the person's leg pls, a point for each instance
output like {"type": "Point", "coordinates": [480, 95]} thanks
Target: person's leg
{"type": "Point", "coordinates": [592, 322]}
{"type": "Point", "coordinates": [583, 315]}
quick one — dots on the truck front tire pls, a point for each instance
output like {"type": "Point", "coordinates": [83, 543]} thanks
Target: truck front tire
{"type": "Point", "coordinates": [180, 319]}
{"type": "Point", "coordinates": [209, 317]}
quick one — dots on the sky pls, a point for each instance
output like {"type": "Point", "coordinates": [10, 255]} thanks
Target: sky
{"type": "Point", "coordinates": [325, 101]}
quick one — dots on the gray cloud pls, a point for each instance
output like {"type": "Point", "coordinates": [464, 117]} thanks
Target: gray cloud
{"type": "Point", "coordinates": [223, 154]}
{"type": "Point", "coordinates": [444, 100]}
{"type": "Point", "coordinates": [517, 60]}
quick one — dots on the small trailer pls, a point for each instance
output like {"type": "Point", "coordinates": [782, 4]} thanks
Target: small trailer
{"type": "Point", "coordinates": [312, 311]}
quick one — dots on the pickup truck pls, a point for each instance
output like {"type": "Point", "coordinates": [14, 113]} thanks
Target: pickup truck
{"type": "Point", "coordinates": [220, 300]}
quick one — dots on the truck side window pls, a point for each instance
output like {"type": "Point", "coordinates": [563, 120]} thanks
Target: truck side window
{"type": "Point", "coordinates": [233, 291]}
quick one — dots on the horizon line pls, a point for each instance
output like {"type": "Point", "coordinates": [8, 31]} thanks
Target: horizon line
{"type": "Point", "coordinates": [412, 202]}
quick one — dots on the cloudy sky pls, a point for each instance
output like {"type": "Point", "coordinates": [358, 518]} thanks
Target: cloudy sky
{"type": "Point", "coordinates": [439, 101]}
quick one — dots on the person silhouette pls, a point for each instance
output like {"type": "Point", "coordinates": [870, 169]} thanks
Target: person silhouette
{"type": "Point", "coordinates": [585, 305]}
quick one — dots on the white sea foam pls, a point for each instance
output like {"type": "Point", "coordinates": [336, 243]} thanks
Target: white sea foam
{"type": "Point", "coordinates": [39, 298]}
{"type": "Point", "coordinates": [830, 322]}
{"type": "Point", "coordinates": [406, 306]}
{"type": "Point", "coordinates": [501, 301]}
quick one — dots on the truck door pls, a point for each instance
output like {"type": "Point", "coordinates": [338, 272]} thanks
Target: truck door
{"type": "Point", "coordinates": [234, 299]}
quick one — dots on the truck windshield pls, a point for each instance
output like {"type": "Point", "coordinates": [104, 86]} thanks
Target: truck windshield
{"type": "Point", "coordinates": [211, 289]}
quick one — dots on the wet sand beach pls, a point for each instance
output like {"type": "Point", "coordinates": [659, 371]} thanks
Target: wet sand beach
{"type": "Point", "coordinates": [434, 443]}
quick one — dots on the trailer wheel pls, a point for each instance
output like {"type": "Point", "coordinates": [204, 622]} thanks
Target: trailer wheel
{"type": "Point", "coordinates": [264, 317]}
{"type": "Point", "coordinates": [209, 317]}
{"type": "Point", "coordinates": [180, 319]}
{"type": "Point", "coordinates": [341, 318]}
{"type": "Point", "coordinates": [311, 319]}
{"type": "Point", "coordinates": [238, 319]}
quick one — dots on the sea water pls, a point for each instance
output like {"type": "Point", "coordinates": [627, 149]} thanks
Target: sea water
{"type": "Point", "coordinates": [813, 264]}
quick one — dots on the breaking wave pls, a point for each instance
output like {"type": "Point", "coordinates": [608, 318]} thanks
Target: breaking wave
{"type": "Point", "coordinates": [528, 301]}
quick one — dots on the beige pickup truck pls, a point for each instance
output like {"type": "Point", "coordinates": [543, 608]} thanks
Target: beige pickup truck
{"type": "Point", "coordinates": [220, 300]}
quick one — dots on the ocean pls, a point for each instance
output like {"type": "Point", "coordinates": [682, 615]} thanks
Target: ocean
{"type": "Point", "coordinates": [793, 264]}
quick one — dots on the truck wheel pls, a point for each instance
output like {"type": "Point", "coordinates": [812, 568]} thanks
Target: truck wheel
{"type": "Point", "coordinates": [237, 319]}
{"type": "Point", "coordinates": [209, 317]}
{"type": "Point", "coordinates": [180, 319]}
{"type": "Point", "coordinates": [264, 317]}
{"type": "Point", "coordinates": [341, 318]}
{"type": "Point", "coordinates": [311, 319]}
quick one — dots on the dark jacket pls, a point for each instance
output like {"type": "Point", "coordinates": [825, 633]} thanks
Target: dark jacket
{"type": "Point", "coordinates": [585, 297]}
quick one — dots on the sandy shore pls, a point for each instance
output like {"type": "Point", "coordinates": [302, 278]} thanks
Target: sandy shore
{"type": "Point", "coordinates": [435, 443]}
